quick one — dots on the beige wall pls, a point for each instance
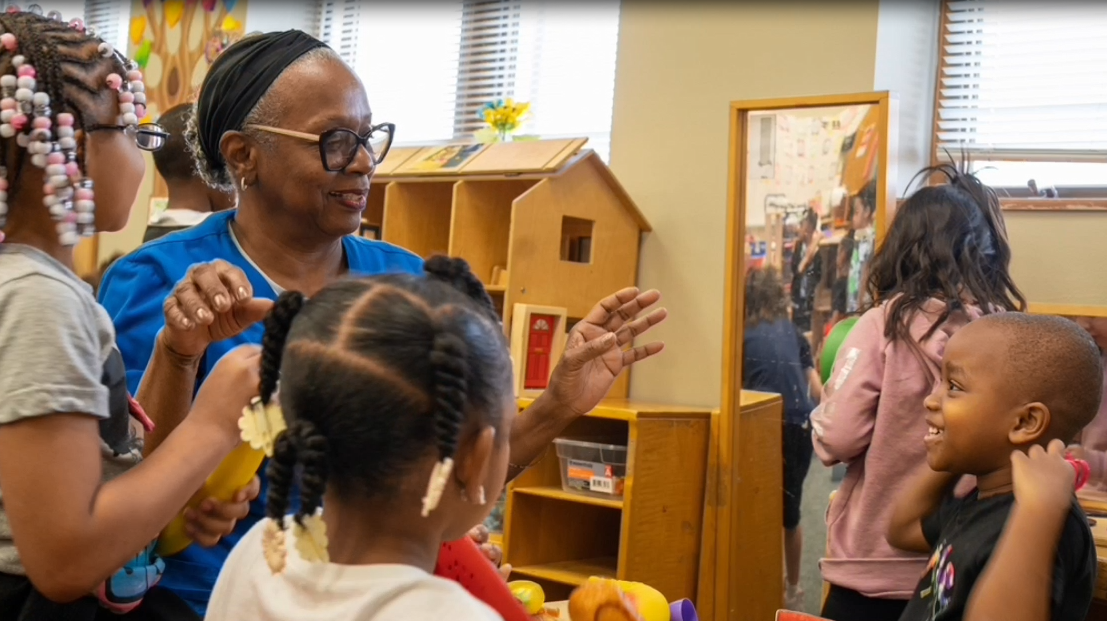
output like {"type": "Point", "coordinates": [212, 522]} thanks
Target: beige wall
{"type": "Point", "coordinates": [906, 65]}
{"type": "Point", "coordinates": [1058, 257]}
{"type": "Point", "coordinates": [679, 66]}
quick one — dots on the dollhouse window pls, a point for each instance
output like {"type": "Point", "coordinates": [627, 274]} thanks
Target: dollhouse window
{"type": "Point", "coordinates": [576, 239]}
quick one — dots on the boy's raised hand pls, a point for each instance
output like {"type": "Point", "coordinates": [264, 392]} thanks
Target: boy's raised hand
{"type": "Point", "coordinates": [1043, 480]}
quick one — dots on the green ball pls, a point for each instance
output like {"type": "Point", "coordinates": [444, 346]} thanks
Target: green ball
{"type": "Point", "coordinates": [833, 341]}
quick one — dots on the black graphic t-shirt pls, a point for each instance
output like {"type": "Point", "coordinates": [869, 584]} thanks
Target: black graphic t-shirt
{"type": "Point", "coordinates": [963, 533]}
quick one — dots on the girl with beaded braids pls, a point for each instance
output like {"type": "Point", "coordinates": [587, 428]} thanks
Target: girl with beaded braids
{"type": "Point", "coordinates": [77, 506]}
{"type": "Point", "coordinates": [396, 391]}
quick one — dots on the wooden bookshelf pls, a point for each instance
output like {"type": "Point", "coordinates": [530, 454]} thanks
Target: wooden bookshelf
{"type": "Point", "coordinates": [651, 534]}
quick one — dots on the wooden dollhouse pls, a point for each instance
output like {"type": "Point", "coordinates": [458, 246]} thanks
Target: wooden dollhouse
{"type": "Point", "coordinates": [541, 223]}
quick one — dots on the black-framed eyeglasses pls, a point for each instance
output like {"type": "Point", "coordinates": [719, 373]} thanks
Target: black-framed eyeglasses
{"type": "Point", "coordinates": [338, 147]}
{"type": "Point", "coordinates": [148, 136]}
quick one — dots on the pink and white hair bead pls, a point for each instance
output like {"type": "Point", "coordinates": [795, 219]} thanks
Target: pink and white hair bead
{"type": "Point", "coordinates": [50, 140]}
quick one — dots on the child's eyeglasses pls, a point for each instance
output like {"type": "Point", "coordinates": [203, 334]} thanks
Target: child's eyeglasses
{"type": "Point", "coordinates": [148, 136]}
{"type": "Point", "coordinates": [338, 147]}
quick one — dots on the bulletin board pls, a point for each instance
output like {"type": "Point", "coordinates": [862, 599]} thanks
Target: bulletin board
{"type": "Point", "coordinates": [174, 42]}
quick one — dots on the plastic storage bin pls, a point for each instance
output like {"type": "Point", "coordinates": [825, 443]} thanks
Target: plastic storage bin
{"type": "Point", "coordinates": [592, 468]}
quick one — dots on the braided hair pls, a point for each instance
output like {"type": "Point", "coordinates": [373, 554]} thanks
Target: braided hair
{"type": "Point", "coordinates": [374, 373]}
{"type": "Point", "coordinates": [949, 242]}
{"type": "Point", "coordinates": [70, 69]}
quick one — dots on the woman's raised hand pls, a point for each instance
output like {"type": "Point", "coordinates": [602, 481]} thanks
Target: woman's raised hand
{"type": "Point", "coordinates": [601, 345]}
{"type": "Point", "coordinates": [213, 302]}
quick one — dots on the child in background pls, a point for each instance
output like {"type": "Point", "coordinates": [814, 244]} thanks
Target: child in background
{"type": "Point", "coordinates": [1092, 442]}
{"type": "Point", "coordinates": [777, 358]}
{"type": "Point", "coordinates": [862, 212]}
{"type": "Point", "coordinates": [806, 269]}
{"type": "Point", "coordinates": [397, 395]}
{"type": "Point", "coordinates": [943, 263]}
{"type": "Point", "coordinates": [1018, 547]}
{"type": "Point", "coordinates": [77, 504]}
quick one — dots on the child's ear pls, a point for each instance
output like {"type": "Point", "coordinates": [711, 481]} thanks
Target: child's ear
{"type": "Point", "coordinates": [476, 463]}
{"type": "Point", "coordinates": [1031, 425]}
{"type": "Point", "coordinates": [241, 155]}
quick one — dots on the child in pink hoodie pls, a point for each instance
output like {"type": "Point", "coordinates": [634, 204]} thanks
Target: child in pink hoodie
{"type": "Point", "coordinates": [943, 263]}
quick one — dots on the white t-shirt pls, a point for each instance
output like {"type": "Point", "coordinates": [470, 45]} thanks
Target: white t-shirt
{"type": "Point", "coordinates": [305, 591]}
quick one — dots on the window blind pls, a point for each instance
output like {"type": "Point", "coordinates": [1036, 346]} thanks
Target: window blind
{"type": "Point", "coordinates": [566, 69]}
{"type": "Point", "coordinates": [487, 59]}
{"type": "Point", "coordinates": [406, 54]}
{"type": "Point", "coordinates": [1023, 81]}
{"type": "Point", "coordinates": [429, 66]}
{"type": "Point", "coordinates": [339, 27]}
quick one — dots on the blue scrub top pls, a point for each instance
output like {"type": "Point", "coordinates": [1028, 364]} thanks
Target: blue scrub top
{"type": "Point", "coordinates": [134, 291]}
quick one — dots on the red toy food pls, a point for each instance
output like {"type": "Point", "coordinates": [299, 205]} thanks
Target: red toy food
{"type": "Point", "coordinates": [464, 563]}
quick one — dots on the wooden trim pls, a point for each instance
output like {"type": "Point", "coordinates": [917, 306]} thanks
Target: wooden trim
{"type": "Point", "coordinates": [1068, 310]}
{"type": "Point", "coordinates": [731, 398]}
{"type": "Point", "coordinates": [817, 101]}
{"type": "Point", "coordinates": [943, 20]}
{"type": "Point", "coordinates": [1053, 204]}
{"type": "Point", "coordinates": [886, 169]}
{"type": "Point", "coordinates": [731, 587]}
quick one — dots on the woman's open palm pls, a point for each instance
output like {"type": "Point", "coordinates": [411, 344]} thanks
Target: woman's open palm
{"type": "Point", "coordinates": [596, 353]}
{"type": "Point", "coordinates": [213, 302]}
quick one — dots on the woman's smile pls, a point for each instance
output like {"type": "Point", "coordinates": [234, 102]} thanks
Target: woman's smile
{"type": "Point", "coordinates": [354, 200]}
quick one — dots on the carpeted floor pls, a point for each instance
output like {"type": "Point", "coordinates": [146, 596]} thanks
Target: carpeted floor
{"type": "Point", "coordinates": [816, 493]}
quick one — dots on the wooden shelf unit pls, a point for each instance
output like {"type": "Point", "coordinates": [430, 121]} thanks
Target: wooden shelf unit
{"type": "Point", "coordinates": [652, 534]}
{"type": "Point", "coordinates": [519, 220]}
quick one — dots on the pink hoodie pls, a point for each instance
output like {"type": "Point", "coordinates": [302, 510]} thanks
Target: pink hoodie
{"type": "Point", "coordinates": [872, 419]}
{"type": "Point", "coordinates": [1094, 441]}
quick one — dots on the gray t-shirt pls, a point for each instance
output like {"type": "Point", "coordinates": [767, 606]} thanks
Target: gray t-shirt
{"type": "Point", "coordinates": [58, 355]}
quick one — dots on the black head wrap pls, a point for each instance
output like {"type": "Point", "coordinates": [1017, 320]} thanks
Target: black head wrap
{"type": "Point", "coordinates": [238, 79]}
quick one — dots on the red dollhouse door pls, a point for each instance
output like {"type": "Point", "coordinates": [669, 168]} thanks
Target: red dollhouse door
{"type": "Point", "coordinates": [539, 343]}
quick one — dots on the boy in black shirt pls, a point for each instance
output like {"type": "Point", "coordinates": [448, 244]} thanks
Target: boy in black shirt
{"type": "Point", "coordinates": [1018, 546]}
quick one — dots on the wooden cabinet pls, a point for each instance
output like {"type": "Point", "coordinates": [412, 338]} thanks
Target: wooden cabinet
{"type": "Point", "coordinates": [651, 534]}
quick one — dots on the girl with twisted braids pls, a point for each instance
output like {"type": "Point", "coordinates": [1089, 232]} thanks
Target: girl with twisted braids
{"type": "Point", "coordinates": [396, 391]}
{"type": "Point", "coordinates": [77, 506]}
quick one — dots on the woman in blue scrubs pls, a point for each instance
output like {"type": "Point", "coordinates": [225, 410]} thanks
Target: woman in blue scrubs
{"type": "Point", "coordinates": [284, 123]}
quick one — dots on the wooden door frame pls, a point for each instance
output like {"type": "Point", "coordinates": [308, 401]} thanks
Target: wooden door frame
{"type": "Point", "coordinates": [744, 586]}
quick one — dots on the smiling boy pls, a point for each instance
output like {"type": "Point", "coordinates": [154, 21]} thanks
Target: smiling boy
{"type": "Point", "coordinates": [1018, 547]}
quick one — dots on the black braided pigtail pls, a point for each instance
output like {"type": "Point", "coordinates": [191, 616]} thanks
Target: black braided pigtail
{"type": "Point", "coordinates": [281, 471]}
{"type": "Point", "coordinates": [311, 449]}
{"type": "Point", "coordinates": [283, 463]}
{"type": "Point", "coordinates": [277, 324]}
{"type": "Point", "coordinates": [448, 359]}
{"type": "Point", "coordinates": [281, 468]}
{"type": "Point", "coordinates": [456, 273]}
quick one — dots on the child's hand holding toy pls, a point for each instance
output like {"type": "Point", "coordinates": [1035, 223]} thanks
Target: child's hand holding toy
{"type": "Point", "coordinates": [480, 536]}
{"type": "Point", "coordinates": [213, 519]}
{"type": "Point", "coordinates": [1043, 479]}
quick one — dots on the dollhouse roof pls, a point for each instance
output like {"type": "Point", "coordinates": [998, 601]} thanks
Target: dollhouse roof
{"type": "Point", "coordinates": [516, 161]}
{"type": "Point", "coordinates": [617, 188]}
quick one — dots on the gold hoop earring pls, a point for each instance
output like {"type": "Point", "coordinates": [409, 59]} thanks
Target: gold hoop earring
{"type": "Point", "coordinates": [244, 186]}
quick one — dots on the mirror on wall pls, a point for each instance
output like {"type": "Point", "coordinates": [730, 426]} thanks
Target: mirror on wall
{"type": "Point", "coordinates": [810, 211]}
{"type": "Point", "coordinates": [809, 191]}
